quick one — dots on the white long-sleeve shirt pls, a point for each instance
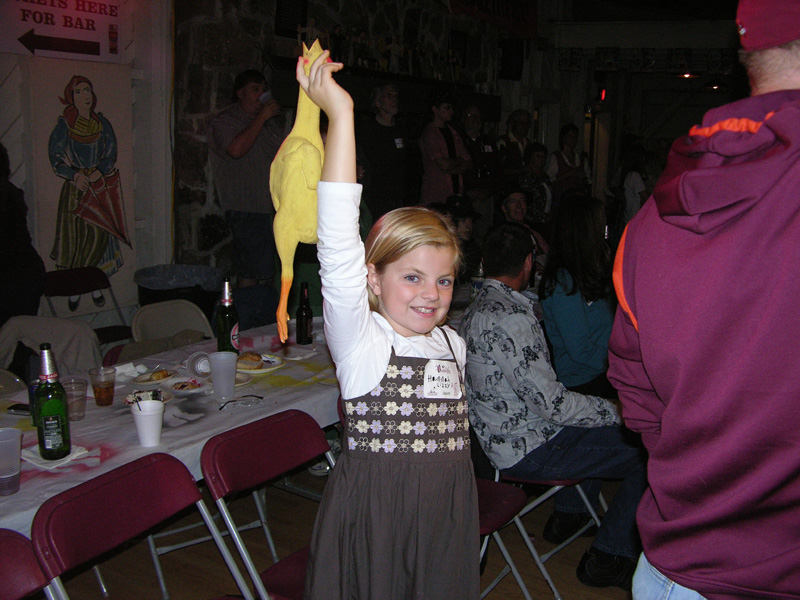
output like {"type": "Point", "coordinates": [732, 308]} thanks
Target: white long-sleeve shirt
{"type": "Point", "coordinates": [359, 339]}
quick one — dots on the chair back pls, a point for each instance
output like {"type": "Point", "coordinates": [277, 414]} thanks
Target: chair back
{"type": "Point", "coordinates": [74, 282]}
{"type": "Point", "coordinates": [84, 280]}
{"type": "Point", "coordinates": [164, 319]}
{"type": "Point", "coordinates": [20, 571]}
{"type": "Point", "coordinates": [78, 525]}
{"type": "Point", "coordinates": [253, 454]}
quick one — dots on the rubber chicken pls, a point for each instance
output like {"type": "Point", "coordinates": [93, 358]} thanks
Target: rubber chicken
{"type": "Point", "coordinates": [293, 179]}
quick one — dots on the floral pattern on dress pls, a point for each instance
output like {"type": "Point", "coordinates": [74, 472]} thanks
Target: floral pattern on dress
{"type": "Point", "coordinates": [399, 419]}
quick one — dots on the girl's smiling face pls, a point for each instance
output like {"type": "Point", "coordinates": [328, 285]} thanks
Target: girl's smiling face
{"type": "Point", "coordinates": [414, 292]}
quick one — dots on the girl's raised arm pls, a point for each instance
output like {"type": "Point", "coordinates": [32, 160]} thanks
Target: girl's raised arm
{"type": "Point", "coordinates": [340, 148]}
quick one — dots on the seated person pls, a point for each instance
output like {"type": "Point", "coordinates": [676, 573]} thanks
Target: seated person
{"type": "Point", "coordinates": [577, 297]}
{"type": "Point", "coordinates": [463, 216]}
{"type": "Point", "coordinates": [515, 209]}
{"type": "Point", "coordinates": [531, 427]}
{"type": "Point", "coordinates": [536, 185]}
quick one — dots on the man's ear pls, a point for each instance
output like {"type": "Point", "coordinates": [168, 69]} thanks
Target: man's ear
{"type": "Point", "coordinates": [529, 262]}
{"type": "Point", "coordinates": [373, 279]}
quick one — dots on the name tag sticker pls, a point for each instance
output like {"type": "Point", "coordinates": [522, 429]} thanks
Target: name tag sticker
{"type": "Point", "coordinates": [441, 380]}
{"type": "Point", "coordinates": [398, 142]}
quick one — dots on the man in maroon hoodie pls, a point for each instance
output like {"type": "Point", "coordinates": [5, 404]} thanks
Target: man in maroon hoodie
{"type": "Point", "coordinates": [705, 350]}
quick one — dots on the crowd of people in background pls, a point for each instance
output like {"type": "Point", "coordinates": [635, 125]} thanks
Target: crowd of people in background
{"type": "Point", "coordinates": [560, 240]}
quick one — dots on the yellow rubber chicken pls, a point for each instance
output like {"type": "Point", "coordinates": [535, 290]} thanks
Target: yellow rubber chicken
{"type": "Point", "coordinates": [293, 179]}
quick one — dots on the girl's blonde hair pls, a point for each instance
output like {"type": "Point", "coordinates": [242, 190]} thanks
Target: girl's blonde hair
{"type": "Point", "coordinates": [405, 229]}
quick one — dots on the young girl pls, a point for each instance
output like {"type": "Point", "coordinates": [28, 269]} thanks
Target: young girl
{"type": "Point", "coordinates": [399, 517]}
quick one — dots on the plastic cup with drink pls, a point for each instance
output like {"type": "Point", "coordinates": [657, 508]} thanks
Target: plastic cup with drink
{"type": "Point", "coordinates": [103, 385]}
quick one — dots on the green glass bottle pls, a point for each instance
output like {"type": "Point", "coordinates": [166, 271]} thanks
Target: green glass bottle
{"type": "Point", "coordinates": [51, 409]}
{"type": "Point", "coordinates": [226, 322]}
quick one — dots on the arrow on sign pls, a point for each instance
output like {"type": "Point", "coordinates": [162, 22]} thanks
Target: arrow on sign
{"type": "Point", "coordinates": [35, 42]}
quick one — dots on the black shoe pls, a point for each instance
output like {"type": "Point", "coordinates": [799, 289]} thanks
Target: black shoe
{"type": "Point", "coordinates": [601, 569]}
{"type": "Point", "coordinates": [99, 300]}
{"type": "Point", "coordinates": [73, 304]}
{"type": "Point", "coordinates": [561, 526]}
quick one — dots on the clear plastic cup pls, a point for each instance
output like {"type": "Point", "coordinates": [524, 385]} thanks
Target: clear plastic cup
{"type": "Point", "coordinates": [76, 397]}
{"type": "Point", "coordinates": [103, 384]}
{"type": "Point", "coordinates": [198, 366]}
{"type": "Point", "coordinates": [223, 373]}
{"type": "Point", "coordinates": [10, 453]}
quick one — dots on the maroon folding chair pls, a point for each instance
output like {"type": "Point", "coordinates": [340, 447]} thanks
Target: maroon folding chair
{"type": "Point", "coordinates": [250, 456]}
{"type": "Point", "coordinates": [554, 487]}
{"type": "Point", "coordinates": [499, 504]}
{"type": "Point", "coordinates": [77, 526]}
{"type": "Point", "coordinates": [84, 280]}
{"type": "Point", "coordinates": [20, 572]}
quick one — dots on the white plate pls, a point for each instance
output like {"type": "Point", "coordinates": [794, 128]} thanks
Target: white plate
{"type": "Point", "coordinates": [241, 379]}
{"type": "Point", "coordinates": [143, 381]}
{"type": "Point", "coordinates": [201, 386]}
{"type": "Point", "coordinates": [271, 362]}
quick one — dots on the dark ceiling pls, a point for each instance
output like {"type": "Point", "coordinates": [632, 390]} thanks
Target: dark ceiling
{"type": "Point", "coordinates": [654, 10]}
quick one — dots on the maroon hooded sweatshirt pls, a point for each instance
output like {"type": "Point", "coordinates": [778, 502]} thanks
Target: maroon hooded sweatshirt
{"type": "Point", "coordinates": [705, 352]}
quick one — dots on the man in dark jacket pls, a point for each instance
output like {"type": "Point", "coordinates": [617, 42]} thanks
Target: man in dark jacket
{"type": "Point", "coordinates": [704, 350]}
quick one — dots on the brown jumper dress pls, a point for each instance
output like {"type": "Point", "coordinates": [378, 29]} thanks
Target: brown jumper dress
{"type": "Point", "coordinates": [399, 516]}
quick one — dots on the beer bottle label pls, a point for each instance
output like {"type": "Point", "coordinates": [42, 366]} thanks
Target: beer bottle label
{"type": "Point", "coordinates": [52, 432]}
{"type": "Point", "coordinates": [235, 336]}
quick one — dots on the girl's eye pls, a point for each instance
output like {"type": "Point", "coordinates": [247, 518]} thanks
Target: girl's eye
{"type": "Point", "coordinates": [446, 282]}
{"type": "Point", "coordinates": [412, 278]}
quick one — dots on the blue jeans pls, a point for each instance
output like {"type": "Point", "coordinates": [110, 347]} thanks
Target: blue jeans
{"type": "Point", "coordinates": [650, 584]}
{"type": "Point", "coordinates": [594, 454]}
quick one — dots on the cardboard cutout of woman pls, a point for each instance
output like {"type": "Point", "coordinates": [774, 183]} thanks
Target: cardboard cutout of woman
{"type": "Point", "coordinates": [91, 217]}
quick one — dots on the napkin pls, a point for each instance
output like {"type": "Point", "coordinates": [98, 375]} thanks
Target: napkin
{"type": "Point", "coordinates": [31, 455]}
{"type": "Point", "coordinates": [129, 370]}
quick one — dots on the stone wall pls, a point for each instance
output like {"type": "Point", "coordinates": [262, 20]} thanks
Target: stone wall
{"type": "Point", "coordinates": [216, 39]}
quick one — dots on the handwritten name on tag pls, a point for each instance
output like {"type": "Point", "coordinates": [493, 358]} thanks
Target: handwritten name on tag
{"type": "Point", "coordinates": [441, 380]}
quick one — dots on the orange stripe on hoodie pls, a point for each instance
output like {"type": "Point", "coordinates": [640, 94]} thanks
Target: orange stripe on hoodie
{"type": "Point", "coordinates": [733, 124]}
{"type": "Point", "coordinates": [618, 286]}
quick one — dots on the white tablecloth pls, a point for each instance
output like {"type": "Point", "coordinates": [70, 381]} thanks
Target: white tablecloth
{"type": "Point", "coordinates": [305, 382]}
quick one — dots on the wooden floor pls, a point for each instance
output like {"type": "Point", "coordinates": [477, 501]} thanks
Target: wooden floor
{"type": "Point", "coordinates": [198, 572]}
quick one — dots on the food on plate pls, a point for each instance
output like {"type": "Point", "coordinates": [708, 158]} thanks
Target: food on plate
{"type": "Point", "coordinates": [141, 395]}
{"type": "Point", "coordinates": [189, 384]}
{"type": "Point", "coordinates": [249, 361]}
{"type": "Point", "coordinates": [153, 377]}
{"type": "Point", "coordinates": [159, 375]}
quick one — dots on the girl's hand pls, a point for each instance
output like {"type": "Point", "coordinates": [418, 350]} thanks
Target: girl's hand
{"type": "Point", "coordinates": [321, 88]}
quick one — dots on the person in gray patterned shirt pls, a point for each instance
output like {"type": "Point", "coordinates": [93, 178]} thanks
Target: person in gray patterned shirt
{"type": "Point", "coordinates": [530, 426]}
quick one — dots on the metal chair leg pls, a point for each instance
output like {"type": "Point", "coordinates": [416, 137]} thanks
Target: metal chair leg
{"type": "Point", "coordinates": [151, 542]}
{"type": "Point", "coordinates": [99, 575]}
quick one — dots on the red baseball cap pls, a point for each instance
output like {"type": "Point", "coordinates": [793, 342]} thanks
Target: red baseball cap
{"type": "Point", "coordinates": [767, 23]}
